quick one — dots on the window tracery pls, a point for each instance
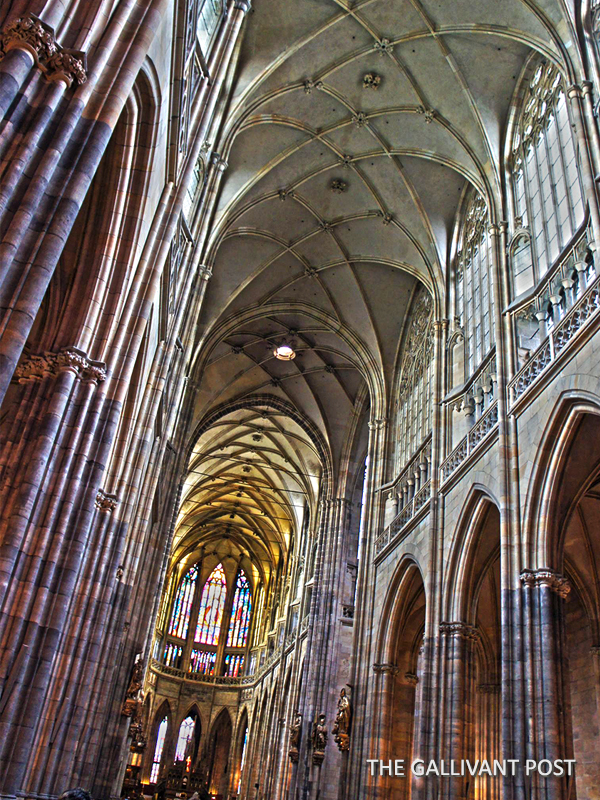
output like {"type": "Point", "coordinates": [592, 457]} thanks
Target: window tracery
{"type": "Point", "coordinates": [158, 750]}
{"type": "Point", "coordinates": [212, 605]}
{"type": "Point", "coordinates": [182, 607]}
{"type": "Point", "coordinates": [546, 184]}
{"type": "Point", "coordinates": [186, 732]}
{"type": "Point", "coordinates": [414, 395]}
{"type": "Point", "coordinates": [474, 299]}
{"type": "Point", "coordinates": [240, 613]}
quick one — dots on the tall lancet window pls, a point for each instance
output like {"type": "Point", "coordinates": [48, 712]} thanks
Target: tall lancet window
{"type": "Point", "coordinates": [240, 613]}
{"type": "Point", "coordinates": [474, 300]}
{"type": "Point", "coordinates": [158, 750]}
{"type": "Point", "coordinates": [186, 733]}
{"type": "Point", "coordinates": [212, 605]}
{"type": "Point", "coordinates": [545, 173]}
{"type": "Point", "coordinates": [414, 394]}
{"type": "Point", "coordinates": [180, 617]}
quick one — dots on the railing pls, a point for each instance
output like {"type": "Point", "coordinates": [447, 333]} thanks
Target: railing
{"type": "Point", "coordinates": [221, 680]}
{"type": "Point", "coordinates": [575, 319]}
{"type": "Point", "coordinates": [403, 518]}
{"type": "Point", "coordinates": [477, 396]}
{"type": "Point", "coordinates": [478, 433]}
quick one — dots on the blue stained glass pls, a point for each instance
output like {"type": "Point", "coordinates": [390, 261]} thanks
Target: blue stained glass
{"type": "Point", "coordinates": [180, 617]}
{"type": "Point", "coordinates": [240, 612]}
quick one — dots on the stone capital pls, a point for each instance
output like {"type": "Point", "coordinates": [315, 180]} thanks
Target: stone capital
{"type": "Point", "coordinates": [205, 272]}
{"type": "Point", "coordinates": [243, 5]}
{"type": "Point", "coordinates": [386, 669]}
{"type": "Point", "coordinates": [554, 581]}
{"type": "Point", "coordinates": [106, 503]}
{"type": "Point", "coordinates": [29, 33]}
{"type": "Point", "coordinates": [459, 629]}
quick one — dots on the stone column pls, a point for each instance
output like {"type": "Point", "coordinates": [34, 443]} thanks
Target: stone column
{"type": "Point", "coordinates": [458, 642]}
{"type": "Point", "coordinates": [544, 593]}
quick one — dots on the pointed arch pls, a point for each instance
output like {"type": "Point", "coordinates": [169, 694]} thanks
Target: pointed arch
{"type": "Point", "coordinates": [212, 605]}
{"type": "Point", "coordinates": [240, 612]}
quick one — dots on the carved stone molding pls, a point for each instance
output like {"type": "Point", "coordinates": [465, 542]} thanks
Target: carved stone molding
{"type": "Point", "coordinates": [310, 85]}
{"type": "Point", "coordinates": [106, 502]}
{"type": "Point", "coordinates": [218, 162]}
{"type": "Point", "coordinates": [243, 5]}
{"type": "Point", "coordinates": [38, 367]}
{"type": "Point", "coordinates": [205, 272]}
{"type": "Point", "coordinates": [338, 186]}
{"type": "Point", "coordinates": [371, 80]}
{"type": "Point", "coordinates": [460, 629]}
{"type": "Point", "coordinates": [32, 35]}
{"type": "Point", "coordinates": [377, 424]}
{"type": "Point", "coordinates": [554, 581]}
{"type": "Point", "coordinates": [428, 113]}
{"type": "Point", "coordinates": [411, 679]}
{"type": "Point", "coordinates": [386, 669]}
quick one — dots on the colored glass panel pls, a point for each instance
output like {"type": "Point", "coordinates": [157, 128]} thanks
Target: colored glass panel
{"type": "Point", "coordinates": [203, 662]}
{"type": "Point", "coordinates": [158, 750]}
{"type": "Point", "coordinates": [233, 665]}
{"type": "Point", "coordinates": [180, 616]}
{"type": "Point", "coordinates": [212, 603]}
{"type": "Point", "coordinates": [172, 655]}
{"type": "Point", "coordinates": [240, 612]}
{"type": "Point", "coordinates": [186, 732]}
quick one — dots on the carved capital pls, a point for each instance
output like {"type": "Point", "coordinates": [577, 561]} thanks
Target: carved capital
{"type": "Point", "coordinates": [106, 502]}
{"type": "Point", "coordinates": [218, 162]}
{"type": "Point", "coordinates": [38, 367]}
{"type": "Point", "coordinates": [243, 5]}
{"type": "Point", "coordinates": [31, 34]}
{"type": "Point", "coordinates": [459, 629]}
{"type": "Point", "coordinates": [411, 679]}
{"type": "Point", "coordinates": [205, 272]}
{"type": "Point", "coordinates": [377, 424]}
{"type": "Point", "coordinates": [386, 669]}
{"type": "Point", "coordinates": [531, 578]}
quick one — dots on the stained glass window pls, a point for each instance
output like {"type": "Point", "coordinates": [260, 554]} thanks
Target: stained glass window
{"type": "Point", "coordinates": [547, 190]}
{"type": "Point", "coordinates": [203, 662]}
{"type": "Point", "coordinates": [243, 761]}
{"type": "Point", "coordinates": [233, 665]}
{"type": "Point", "coordinates": [240, 613]}
{"type": "Point", "coordinates": [212, 603]}
{"type": "Point", "coordinates": [158, 750]}
{"type": "Point", "coordinates": [180, 617]}
{"type": "Point", "coordinates": [186, 732]}
{"type": "Point", "coordinates": [172, 655]}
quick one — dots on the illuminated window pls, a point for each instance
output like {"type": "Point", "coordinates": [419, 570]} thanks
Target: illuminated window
{"type": "Point", "coordinates": [180, 618]}
{"type": "Point", "coordinates": [240, 613]}
{"type": "Point", "coordinates": [243, 761]}
{"type": "Point", "coordinates": [212, 604]}
{"type": "Point", "coordinates": [186, 733]}
{"type": "Point", "coordinates": [233, 665]}
{"type": "Point", "coordinates": [158, 750]}
{"type": "Point", "coordinates": [203, 662]}
{"type": "Point", "coordinates": [172, 655]}
{"type": "Point", "coordinates": [546, 185]}
{"type": "Point", "coordinates": [210, 14]}
{"type": "Point", "coordinates": [474, 300]}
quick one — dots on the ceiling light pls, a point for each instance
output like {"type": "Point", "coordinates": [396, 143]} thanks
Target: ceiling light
{"type": "Point", "coordinates": [284, 350]}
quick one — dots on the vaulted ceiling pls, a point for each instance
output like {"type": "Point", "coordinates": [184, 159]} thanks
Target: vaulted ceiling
{"type": "Point", "coordinates": [352, 135]}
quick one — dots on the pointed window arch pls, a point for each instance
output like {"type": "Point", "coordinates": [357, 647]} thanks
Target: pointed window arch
{"type": "Point", "coordinates": [240, 612]}
{"type": "Point", "coordinates": [545, 171]}
{"type": "Point", "coordinates": [158, 750]}
{"type": "Point", "coordinates": [212, 604]}
{"type": "Point", "coordinates": [180, 616]}
{"type": "Point", "coordinates": [186, 734]}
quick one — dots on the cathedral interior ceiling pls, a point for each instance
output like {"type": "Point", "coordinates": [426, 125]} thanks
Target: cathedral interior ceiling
{"type": "Point", "coordinates": [354, 133]}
